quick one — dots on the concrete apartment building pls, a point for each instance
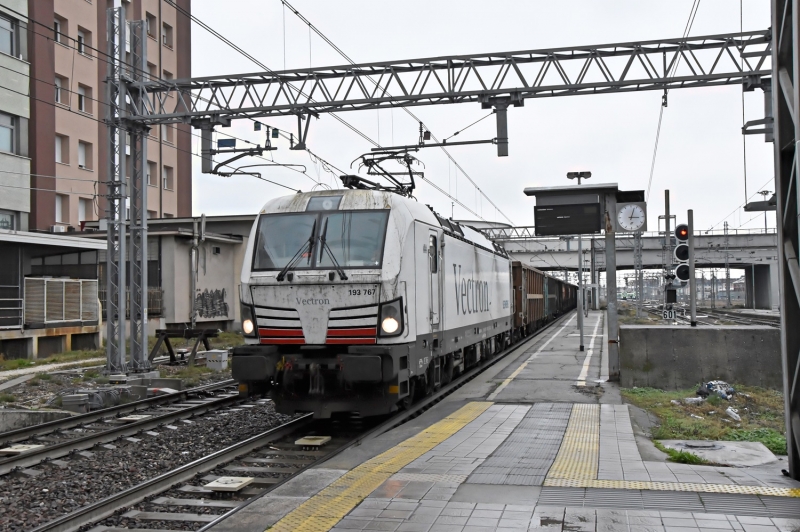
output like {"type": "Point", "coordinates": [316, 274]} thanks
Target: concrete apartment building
{"type": "Point", "coordinates": [67, 50]}
{"type": "Point", "coordinates": [53, 161]}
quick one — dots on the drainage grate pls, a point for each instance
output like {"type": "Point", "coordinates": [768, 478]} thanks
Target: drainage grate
{"type": "Point", "coordinates": [680, 501]}
{"type": "Point", "coordinates": [724, 503]}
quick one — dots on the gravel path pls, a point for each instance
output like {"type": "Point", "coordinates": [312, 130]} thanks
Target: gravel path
{"type": "Point", "coordinates": [44, 368]}
{"type": "Point", "coordinates": [53, 489]}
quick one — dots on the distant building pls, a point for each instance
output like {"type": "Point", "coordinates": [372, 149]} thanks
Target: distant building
{"type": "Point", "coordinates": [67, 53]}
{"type": "Point", "coordinates": [53, 163]}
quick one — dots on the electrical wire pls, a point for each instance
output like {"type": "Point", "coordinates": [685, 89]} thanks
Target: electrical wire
{"type": "Point", "coordinates": [469, 126]}
{"type": "Point", "coordinates": [101, 57]}
{"type": "Point", "coordinates": [673, 68]}
{"type": "Point", "coordinates": [742, 205]}
{"type": "Point", "coordinates": [262, 65]}
{"type": "Point", "coordinates": [407, 111]}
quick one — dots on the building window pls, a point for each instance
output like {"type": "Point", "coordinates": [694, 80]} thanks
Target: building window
{"type": "Point", "coordinates": [84, 41]}
{"type": "Point", "coordinates": [7, 221]}
{"type": "Point", "coordinates": [8, 132]}
{"type": "Point", "coordinates": [60, 30]}
{"type": "Point", "coordinates": [152, 174]}
{"type": "Point", "coordinates": [167, 133]}
{"type": "Point", "coordinates": [7, 36]}
{"type": "Point", "coordinates": [168, 177]}
{"type": "Point", "coordinates": [58, 84]}
{"type": "Point", "coordinates": [152, 25]}
{"type": "Point", "coordinates": [62, 208]}
{"type": "Point", "coordinates": [84, 99]}
{"type": "Point", "coordinates": [166, 35]}
{"type": "Point", "coordinates": [84, 155]}
{"type": "Point", "coordinates": [62, 149]}
{"type": "Point", "coordinates": [84, 209]}
{"type": "Point", "coordinates": [152, 71]}
{"type": "Point", "coordinates": [81, 98]}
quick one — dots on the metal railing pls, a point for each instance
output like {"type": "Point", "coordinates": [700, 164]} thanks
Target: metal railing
{"type": "Point", "coordinates": [10, 312]}
{"type": "Point", "coordinates": [47, 301]}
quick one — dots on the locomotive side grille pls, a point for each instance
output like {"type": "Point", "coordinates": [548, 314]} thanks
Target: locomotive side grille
{"type": "Point", "coordinates": [279, 326]}
{"type": "Point", "coordinates": [358, 325]}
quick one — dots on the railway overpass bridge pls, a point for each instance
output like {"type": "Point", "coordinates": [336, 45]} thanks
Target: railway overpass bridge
{"type": "Point", "coordinates": [752, 250]}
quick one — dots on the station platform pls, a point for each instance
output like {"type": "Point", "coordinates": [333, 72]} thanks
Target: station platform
{"type": "Point", "coordinates": [540, 441]}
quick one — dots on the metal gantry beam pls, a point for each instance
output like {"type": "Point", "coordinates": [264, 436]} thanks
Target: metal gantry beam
{"type": "Point", "coordinates": [115, 187]}
{"type": "Point", "coordinates": [493, 80]}
{"type": "Point", "coordinates": [786, 111]}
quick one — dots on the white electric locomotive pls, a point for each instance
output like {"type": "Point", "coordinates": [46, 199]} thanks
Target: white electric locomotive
{"type": "Point", "coordinates": [358, 301]}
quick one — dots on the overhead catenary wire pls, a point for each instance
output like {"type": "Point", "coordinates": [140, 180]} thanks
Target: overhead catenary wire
{"type": "Point", "coordinates": [90, 117]}
{"type": "Point", "coordinates": [673, 68]}
{"type": "Point", "coordinates": [407, 111]}
{"type": "Point", "coordinates": [101, 56]}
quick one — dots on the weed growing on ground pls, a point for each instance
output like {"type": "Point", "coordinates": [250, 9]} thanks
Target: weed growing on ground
{"type": "Point", "coordinates": [761, 411]}
{"type": "Point", "coordinates": [68, 356]}
{"type": "Point", "coordinates": [7, 398]}
{"type": "Point", "coordinates": [681, 457]}
{"type": "Point", "coordinates": [772, 439]}
{"type": "Point", "coordinates": [192, 375]}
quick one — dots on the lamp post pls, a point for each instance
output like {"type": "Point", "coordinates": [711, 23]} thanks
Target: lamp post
{"type": "Point", "coordinates": [764, 194]}
{"type": "Point", "coordinates": [579, 176]}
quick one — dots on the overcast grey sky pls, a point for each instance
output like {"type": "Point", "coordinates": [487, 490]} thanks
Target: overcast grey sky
{"type": "Point", "coordinates": [700, 155]}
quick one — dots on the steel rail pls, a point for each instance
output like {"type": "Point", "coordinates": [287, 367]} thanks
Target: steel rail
{"type": "Point", "coordinates": [415, 410]}
{"type": "Point", "coordinates": [105, 507]}
{"type": "Point", "coordinates": [25, 433]}
{"type": "Point", "coordinates": [58, 450]}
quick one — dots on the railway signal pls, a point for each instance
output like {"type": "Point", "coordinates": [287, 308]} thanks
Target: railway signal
{"type": "Point", "coordinates": [682, 252]}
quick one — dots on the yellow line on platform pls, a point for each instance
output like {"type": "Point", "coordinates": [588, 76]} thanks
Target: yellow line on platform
{"type": "Point", "coordinates": [579, 453]}
{"type": "Point", "coordinates": [322, 511]}
{"type": "Point", "coordinates": [577, 461]}
{"type": "Point", "coordinates": [673, 486]}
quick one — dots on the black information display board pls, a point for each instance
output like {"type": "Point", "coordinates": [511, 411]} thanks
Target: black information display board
{"type": "Point", "coordinates": [556, 220]}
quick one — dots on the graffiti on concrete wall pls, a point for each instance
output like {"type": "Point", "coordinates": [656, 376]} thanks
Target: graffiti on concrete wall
{"type": "Point", "coordinates": [211, 303]}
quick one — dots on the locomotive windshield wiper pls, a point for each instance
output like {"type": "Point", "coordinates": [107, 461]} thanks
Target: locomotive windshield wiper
{"type": "Point", "coordinates": [324, 246]}
{"type": "Point", "coordinates": [307, 245]}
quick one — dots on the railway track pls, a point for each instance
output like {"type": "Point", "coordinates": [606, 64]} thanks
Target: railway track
{"type": "Point", "coordinates": [56, 439]}
{"type": "Point", "coordinates": [705, 315]}
{"type": "Point", "coordinates": [179, 500]}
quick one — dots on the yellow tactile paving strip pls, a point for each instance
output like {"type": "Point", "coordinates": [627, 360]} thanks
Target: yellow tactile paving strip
{"type": "Point", "coordinates": [577, 461]}
{"type": "Point", "coordinates": [577, 458]}
{"type": "Point", "coordinates": [322, 511]}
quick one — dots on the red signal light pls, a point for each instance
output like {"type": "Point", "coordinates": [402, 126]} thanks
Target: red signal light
{"type": "Point", "coordinates": [682, 232]}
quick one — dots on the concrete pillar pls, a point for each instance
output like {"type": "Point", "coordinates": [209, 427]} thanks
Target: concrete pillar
{"type": "Point", "coordinates": [762, 284]}
{"type": "Point", "coordinates": [68, 343]}
{"type": "Point", "coordinates": [763, 287]}
{"type": "Point", "coordinates": [774, 284]}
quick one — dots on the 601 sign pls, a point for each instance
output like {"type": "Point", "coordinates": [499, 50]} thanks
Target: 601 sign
{"type": "Point", "coordinates": [669, 314]}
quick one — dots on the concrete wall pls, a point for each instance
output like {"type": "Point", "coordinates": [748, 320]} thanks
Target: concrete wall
{"type": "Point", "coordinates": [676, 357]}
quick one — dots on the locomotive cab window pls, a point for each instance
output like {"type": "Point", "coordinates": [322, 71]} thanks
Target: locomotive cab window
{"type": "Point", "coordinates": [351, 239]}
{"type": "Point", "coordinates": [433, 255]}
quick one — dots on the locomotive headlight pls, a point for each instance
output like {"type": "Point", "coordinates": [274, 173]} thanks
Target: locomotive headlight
{"type": "Point", "coordinates": [391, 317]}
{"type": "Point", "coordinates": [248, 322]}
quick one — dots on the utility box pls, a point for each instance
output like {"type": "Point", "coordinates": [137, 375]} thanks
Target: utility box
{"type": "Point", "coordinates": [77, 402]}
{"type": "Point", "coordinates": [217, 359]}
